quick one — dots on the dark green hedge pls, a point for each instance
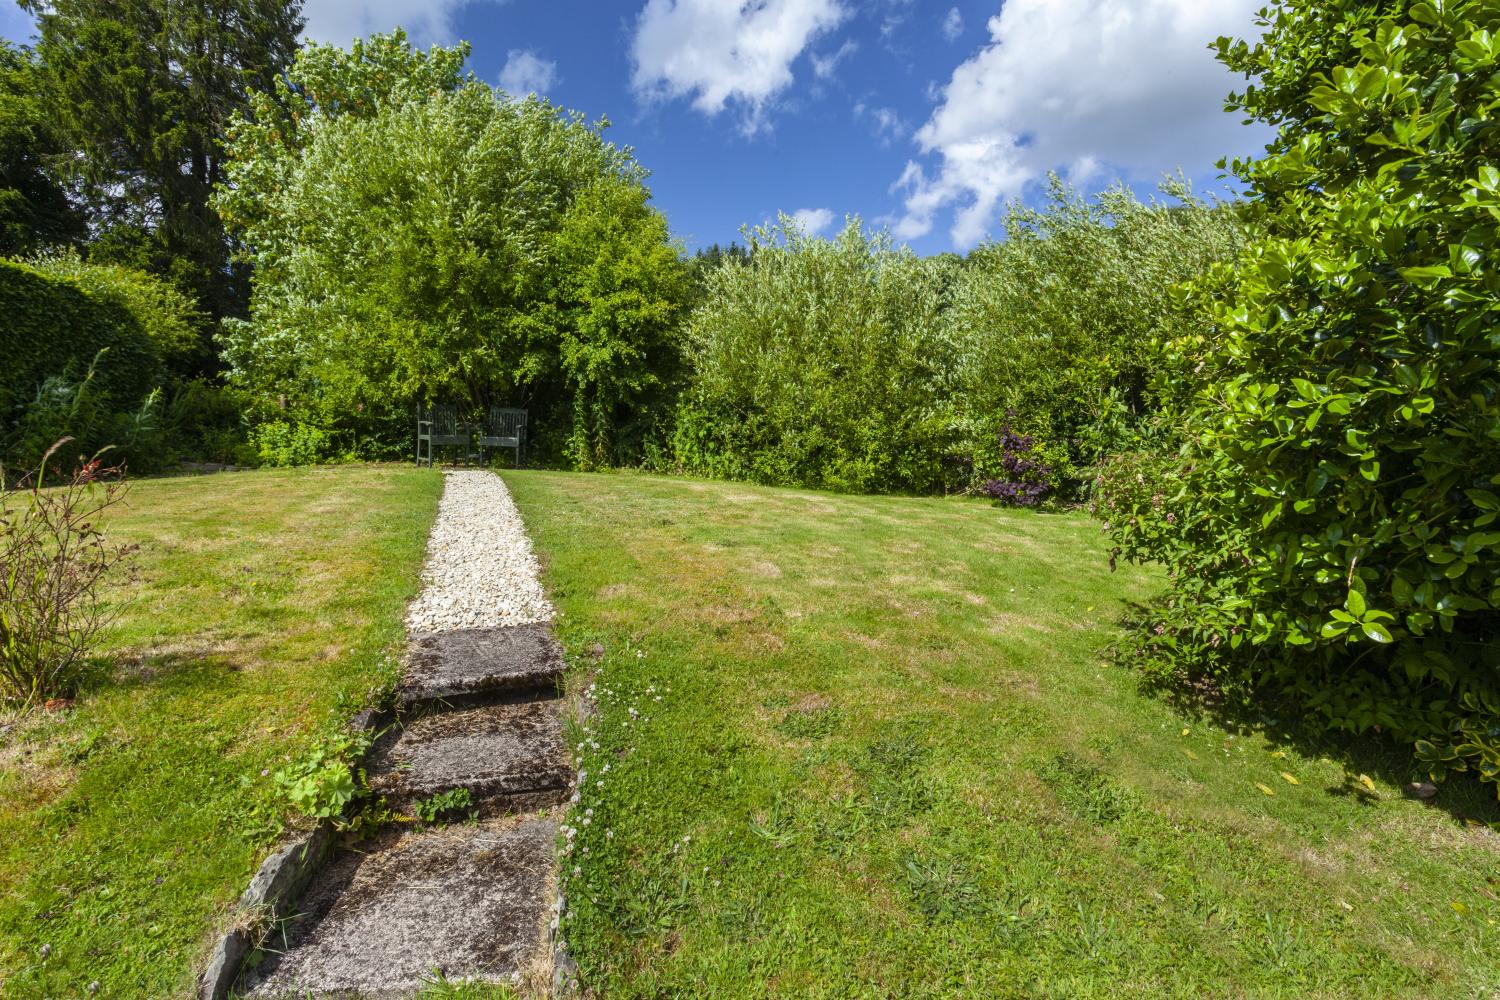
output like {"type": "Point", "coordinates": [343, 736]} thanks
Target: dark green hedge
{"type": "Point", "coordinates": [49, 326]}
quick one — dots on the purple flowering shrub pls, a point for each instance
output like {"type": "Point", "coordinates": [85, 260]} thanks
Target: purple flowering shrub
{"type": "Point", "coordinates": [1024, 477]}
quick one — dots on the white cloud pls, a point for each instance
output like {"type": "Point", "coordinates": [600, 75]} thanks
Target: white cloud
{"type": "Point", "coordinates": [898, 12]}
{"type": "Point", "coordinates": [953, 24]}
{"type": "Point", "coordinates": [723, 51]}
{"type": "Point", "coordinates": [526, 72]}
{"type": "Point", "coordinates": [1079, 86]}
{"type": "Point", "coordinates": [824, 66]}
{"type": "Point", "coordinates": [341, 21]}
{"type": "Point", "coordinates": [887, 123]}
{"type": "Point", "coordinates": [813, 220]}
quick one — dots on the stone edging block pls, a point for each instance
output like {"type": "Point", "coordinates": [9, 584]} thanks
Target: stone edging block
{"type": "Point", "coordinates": [278, 883]}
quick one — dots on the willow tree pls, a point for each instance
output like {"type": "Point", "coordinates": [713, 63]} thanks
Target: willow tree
{"type": "Point", "coordinates": [418, 236]}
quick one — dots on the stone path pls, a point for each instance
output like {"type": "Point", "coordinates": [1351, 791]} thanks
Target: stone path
{"type": "Point", "coordinates": [478, 711]}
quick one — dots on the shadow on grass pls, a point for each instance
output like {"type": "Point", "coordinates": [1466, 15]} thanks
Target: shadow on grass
{"type": "Point", "coordinates": [169, 673]}
{"type": "Point", "coordinates": [1462, 796]}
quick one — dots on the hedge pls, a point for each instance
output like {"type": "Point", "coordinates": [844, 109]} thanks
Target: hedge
{"type": "Point", "coordinates": [52, 326]}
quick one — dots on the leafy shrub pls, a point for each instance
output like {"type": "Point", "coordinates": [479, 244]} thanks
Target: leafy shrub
{"type": "Point", "coordinates": [323, 784]}
{"type": "Point", "coordinates": [850, 365]}
{"type": "Point", "coordinates": [1055, 325]}
{"type": "Point", "coordinates": [285, 444]}
{"type": "Point", "coordinates": [67, 405]}
{"type": "Point", "coordinates": [207, 420]}
{"type": "Point", "coordinates": [53, 556]}
{"type": "Point", "coordinates": [1331, 525]}
{"type": "Point", "coordinates": [1025, 477]}
{"type": "Point", "coordinates": [820, 363]}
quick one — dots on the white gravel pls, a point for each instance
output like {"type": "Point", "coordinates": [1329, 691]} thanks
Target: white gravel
{"type": "Point", "coordinates": [480, 570]}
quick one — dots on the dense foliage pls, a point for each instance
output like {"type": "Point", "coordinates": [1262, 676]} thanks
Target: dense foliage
{"type": "Point", "coordinates": [851, 365]}
{"type": "Point", "coordinates": [34, 209]}
{"type": "Point", "coordinates": [56, 335]}
{"type": "Point", "coordinates": [1058, 321]}
{"type": "Point", "coordinates": [139, 95]}
{"type": "Point", "coordinates": [165, 314]}
{"type": "Point", "coordinates": [418, 237]}
{"type": "Point", "coordinates": [820, 363]}
{"type": "Point", "coordinates": [1333, 523]}
{"type": "Point", "coordinates": [94, 352]}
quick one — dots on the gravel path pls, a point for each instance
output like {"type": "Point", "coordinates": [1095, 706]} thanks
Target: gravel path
{"type": "Point", "coordinates": [480, 571]}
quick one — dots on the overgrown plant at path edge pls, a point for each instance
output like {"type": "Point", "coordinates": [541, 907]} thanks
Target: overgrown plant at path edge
{"type": "Point", "coordinates": [1333, 524]}
{"type": "Point", "coordinates": [54, 555]}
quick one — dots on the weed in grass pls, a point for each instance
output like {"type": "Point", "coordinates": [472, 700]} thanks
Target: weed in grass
{"type": "Point", "coordinates": [1095, 936]}
{"type": "Point", "coordinates": [439, 987]}
{"type": "Point", "coordinates": [1085, 789]}
{"type": "Point", "coordinates": [943, 889]}
{"type": "Point", "coordinates": [812, 724]}
{"type": "Point", "coordinates": [892, 771]}
{"type": "Point", "coordinates": [776, 824]}
{"type": "Point", "coordinates": [1282, 942]}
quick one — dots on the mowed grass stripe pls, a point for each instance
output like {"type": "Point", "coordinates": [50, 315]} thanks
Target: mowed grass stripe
{"type": "Point", "coordinates": [893, 761]}
{"type": "Point", "coordinates": [259, 612]}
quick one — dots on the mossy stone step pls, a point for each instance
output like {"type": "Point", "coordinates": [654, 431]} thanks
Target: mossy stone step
{"type": "Point", "coordinates": [509, 756]}
{"type": "Point", "coordinates": [470, 900]}
{"type": "Point", "coordinates": [468, 664]}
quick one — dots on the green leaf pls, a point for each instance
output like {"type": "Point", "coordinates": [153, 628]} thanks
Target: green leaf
{"type": "Point", "coordinates": [1426, 275]}
{"type": "Point", "coordinates": [1355, 603]}
{"type": "Point", "coordinates": [1483, 499]}
{"type": "Point", "coordinates": [1422, 13]}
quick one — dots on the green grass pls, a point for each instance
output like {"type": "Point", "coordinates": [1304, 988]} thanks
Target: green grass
{"type": "Point", "coordinates": [261, 611]}
{"type": "Point", "coordinates": [890, 759]}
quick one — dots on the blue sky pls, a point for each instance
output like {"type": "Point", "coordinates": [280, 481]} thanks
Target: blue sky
{"type": "Point", "coordinates": [924, 116]}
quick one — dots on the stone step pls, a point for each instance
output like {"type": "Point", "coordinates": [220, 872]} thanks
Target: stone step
{"type": "Point", "coordinates": [469, 900]}
{"type": "Point", "coordinates": [510, 756]}
{"type": "Point", "coordinates": [465, 665]}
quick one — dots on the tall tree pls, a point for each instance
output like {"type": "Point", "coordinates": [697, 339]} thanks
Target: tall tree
{"type": "Point", "coordinates": [141, 91]}
{"type": "Point", "coordinates": [34, 207]}
{"type": "Point", "coordinates": [418, 237]}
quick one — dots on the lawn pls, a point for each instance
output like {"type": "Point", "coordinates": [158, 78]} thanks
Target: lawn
{"type": "Point", "coordinates": [262, 610]}
{"type": "Point", "coordinates": [872, 746]}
